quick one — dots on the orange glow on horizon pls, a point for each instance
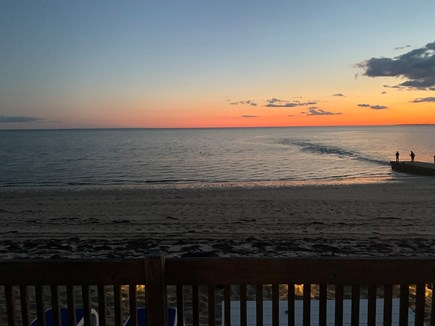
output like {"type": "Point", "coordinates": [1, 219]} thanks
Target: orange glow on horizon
{"type": "Point", "coordinates": [201, 113]}
{"type": "Point", "coordinates": [278, 119]}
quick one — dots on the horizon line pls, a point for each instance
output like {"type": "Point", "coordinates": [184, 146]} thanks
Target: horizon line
{"type": "Point", "coordinates": [239, 127]}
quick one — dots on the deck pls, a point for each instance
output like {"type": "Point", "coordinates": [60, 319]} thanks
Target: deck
{"type": "Point", "coordinates": [211, 291]}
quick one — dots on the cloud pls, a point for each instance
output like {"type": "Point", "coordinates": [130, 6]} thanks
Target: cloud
{"type": "Point", "coordinates": [402, 47]}
{"type": "Point", "coordinates": [248, 116]}
{"type": "Point", "coordinates": [283, 105]}
{"type": "Point", "coordinates": [273, 100]}
{"type": "Point", "coordinates": [395, 86]}
{"type": "Point", "coordinates": [17, 119]}
{"type": "Point", "coordinates": [277, 103]}
{"type": "Point", "coordinates": [317, 111]}
{"type": "Point", "coordinates": [416, 66]}
{"type": "Point", "coordinates": [384, 92]}
{"type": "Point", "coordinates": [373, 107]}
{"type": "Point", "coordinates": [247, 102]}
{"type": "Point", "coordinates": [378, 107]}
{"type": "Point", "coordinates": [338, 94]}
{"type": "Point", "coordinates": [424, 99]}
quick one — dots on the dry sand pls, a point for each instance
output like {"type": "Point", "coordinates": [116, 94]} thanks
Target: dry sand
{"type": "Point", "coordinates": [387, 219]}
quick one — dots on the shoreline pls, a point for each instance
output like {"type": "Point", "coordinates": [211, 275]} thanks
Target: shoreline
{"type": "Point", "coordinates": [316, 182]}
{"type": "Point", "coordinates": [371, 219]}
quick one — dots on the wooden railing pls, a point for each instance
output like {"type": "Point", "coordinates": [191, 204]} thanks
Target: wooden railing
{"type": "Point", "coordinates": [197, 287]}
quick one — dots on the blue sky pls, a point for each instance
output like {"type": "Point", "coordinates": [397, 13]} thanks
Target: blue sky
{"type": "Point", "coordinates": [76, 63]}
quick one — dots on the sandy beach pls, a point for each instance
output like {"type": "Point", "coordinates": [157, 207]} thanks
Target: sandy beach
{"type": "Point", "coordinates": [385, 219]}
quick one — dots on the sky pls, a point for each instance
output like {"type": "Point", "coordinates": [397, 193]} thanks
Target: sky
{"type": "Point", "coordinates": [227, 63]}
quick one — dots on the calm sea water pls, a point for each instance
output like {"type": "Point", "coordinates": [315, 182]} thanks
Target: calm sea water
{"type": "Point", "coordinates": [63, 158]}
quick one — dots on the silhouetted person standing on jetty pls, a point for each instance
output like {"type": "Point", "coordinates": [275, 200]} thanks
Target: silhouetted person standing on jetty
{"type": "Point", "coordinates": [412, 156]}
{"type": "Point", "coordinates": [397, 156]}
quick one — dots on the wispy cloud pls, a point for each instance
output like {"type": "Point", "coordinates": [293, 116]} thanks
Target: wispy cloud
{"type": "Point", "coordinates": [378, 107]}
{"type": "Point", "coordinates": [247, 102]}
{"type": "Point", "coordinates": [278, 103]}
{"type": "Point", "coordinates": [17, 119]}
{"type": "Point", "coordinates": [338, 94]}
{"type": "Point", "coordinates": [417, 66]}
{"type": "Point", "coordinates": [402, 47]}
{"type": "Point", "coordinates": [248, 116]}
{"type": "Point", "coordinates": [373, 107]}
{"type": "Point", "coordinates": [317, 111]}
{"type": "Point", "coordinates": [424, 99]}
{"type": "Point", "coordinates": [393, 86]}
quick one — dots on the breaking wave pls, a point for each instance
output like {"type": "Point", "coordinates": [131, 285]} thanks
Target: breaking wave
{"type": "Point", "coordinates": [324, 149]}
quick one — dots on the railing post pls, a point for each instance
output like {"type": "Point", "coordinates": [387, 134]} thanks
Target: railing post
{"type": "Point", "coordinates": [155, 291]}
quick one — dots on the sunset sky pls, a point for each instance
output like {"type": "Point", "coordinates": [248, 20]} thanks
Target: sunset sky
{"type": "Point", "coordinates": [199, 63]}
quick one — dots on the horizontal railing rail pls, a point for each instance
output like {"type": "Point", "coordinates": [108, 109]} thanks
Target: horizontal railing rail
{"type": "Point", "coordinates": [72, 272]}
{"type": "Point", "coordinates": [299, 270]}
{"type": "Point", "coordinates": [204, 290]}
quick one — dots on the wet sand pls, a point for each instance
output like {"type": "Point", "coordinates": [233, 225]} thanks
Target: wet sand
{"type": "Point", "coordinates": [386, 219]}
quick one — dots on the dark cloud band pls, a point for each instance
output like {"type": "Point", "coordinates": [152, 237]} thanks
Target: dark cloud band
{"type": "Point", "coordinates": [277, 103]}
{"type": "Point", "coordinates": [373, 107]}
{"type": "Point", "coordinates": [317, 111]}
{"type": "Point", "coordinates": [17, 119]}
{"type": "Point", "coordinates": [247, 102]}
{"type": "Point", "coordinates": [424, 99]}
{"type": "Point", "coordinates": [417, 66]}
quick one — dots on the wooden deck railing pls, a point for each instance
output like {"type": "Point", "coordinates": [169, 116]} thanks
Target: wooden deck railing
{"type": "Point", "coordinates": [197, 287]}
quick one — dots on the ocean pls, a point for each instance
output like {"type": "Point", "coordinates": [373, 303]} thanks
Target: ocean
{"type": "Point", "coordinates": [140, 157]}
